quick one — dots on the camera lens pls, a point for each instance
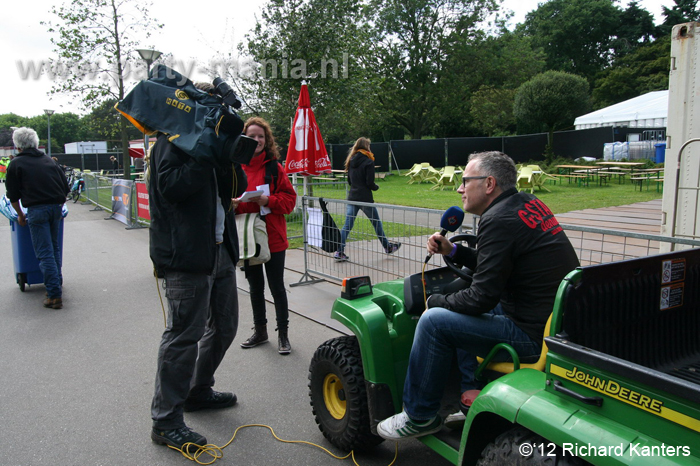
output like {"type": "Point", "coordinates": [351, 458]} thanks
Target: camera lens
{"type": "Point", "coordinates": [240, 149]}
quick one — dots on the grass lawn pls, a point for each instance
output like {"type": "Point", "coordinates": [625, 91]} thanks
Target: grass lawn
{"type": "Point", "coordinates": [563, 198]}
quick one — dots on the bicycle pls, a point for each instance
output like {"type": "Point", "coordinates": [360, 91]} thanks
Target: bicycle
{"type": "Point", "coordinates": [77, 185]}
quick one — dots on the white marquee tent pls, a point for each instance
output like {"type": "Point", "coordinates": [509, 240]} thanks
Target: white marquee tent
{"type": "Point", "coordinates": [646, 111]}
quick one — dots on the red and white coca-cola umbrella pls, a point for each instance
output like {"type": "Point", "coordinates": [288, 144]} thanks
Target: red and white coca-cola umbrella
{"type": "Point", "coordinates": [307, 153]}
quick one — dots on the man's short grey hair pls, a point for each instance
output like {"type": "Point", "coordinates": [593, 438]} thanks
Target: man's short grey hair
{"type": "Point", "coordinates": [25, 138]}
{"type": "Point", "coordinates": [498, 165]}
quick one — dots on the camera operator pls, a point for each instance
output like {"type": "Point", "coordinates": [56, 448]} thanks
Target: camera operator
{"type": "Point", "coordinates": [194, 244]}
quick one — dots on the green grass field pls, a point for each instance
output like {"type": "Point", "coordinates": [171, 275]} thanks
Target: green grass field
{"type": "Point", "coordinates": [395, 190]}
{"type": "Point", "coordinates": [563, 197]}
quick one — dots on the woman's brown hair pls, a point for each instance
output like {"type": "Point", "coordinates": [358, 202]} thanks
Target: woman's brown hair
{"type": "Point", "coordinates": [361, 143]}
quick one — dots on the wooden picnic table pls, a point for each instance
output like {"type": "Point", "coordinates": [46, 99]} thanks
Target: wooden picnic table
{"type": "Point", "coordinates": [648, 175]}
{"type": "Point", "coordinates": [573, 168]}
{"type": "Point", "coordinates": [621, 164]}
{"type": "Point", "coordinates": [622, 168]}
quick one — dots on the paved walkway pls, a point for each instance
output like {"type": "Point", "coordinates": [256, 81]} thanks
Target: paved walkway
{"type": "Point", "coordinates": [77, 383]}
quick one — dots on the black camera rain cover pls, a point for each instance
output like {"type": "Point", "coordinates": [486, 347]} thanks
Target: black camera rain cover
{"type": "Point", "coordinates": [193, 119]}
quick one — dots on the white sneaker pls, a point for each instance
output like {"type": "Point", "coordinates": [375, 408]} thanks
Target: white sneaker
{"type": "Point", "coordinates": [400, 427]}
{"type": "Point", "coordinates": [455, 421]}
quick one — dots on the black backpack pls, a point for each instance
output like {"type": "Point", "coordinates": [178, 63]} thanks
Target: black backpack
{"type": "Point", "coordinates": [330, 234]}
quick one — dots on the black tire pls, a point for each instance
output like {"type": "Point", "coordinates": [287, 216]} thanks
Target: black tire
{"type": "Point", "coordinates": [506, 451]}
{"type": "Point", "coordinates": [338, 395]}
{"type": "Point", "coordinates": [21, 281]}
{"type": "Point", "coordinates": [76, 195]}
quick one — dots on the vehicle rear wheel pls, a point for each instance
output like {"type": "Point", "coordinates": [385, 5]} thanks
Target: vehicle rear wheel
{"type": "Point", "coordinates": [338, 395]}
{"type": "Point", "coordinates": [519, 447]}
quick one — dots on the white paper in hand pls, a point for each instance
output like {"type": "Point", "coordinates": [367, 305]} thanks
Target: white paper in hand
{"type": "Point", "coordinates": [250, 194]}
{"type": "Point", "coordinates": [265, 188]}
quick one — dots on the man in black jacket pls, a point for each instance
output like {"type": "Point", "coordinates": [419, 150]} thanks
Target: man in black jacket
{"type": "Point", "coordinates": [194, 246]}
{"type": "Point", "coordinates": [39, 182]}
{"type": "Point", "coordinates": [521, 257]}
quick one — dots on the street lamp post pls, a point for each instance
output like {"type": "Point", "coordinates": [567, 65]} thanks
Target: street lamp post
{"type": "Point", "coordinates": [48, 115]}
{"type": "Point", "coordinates": [149, 56]}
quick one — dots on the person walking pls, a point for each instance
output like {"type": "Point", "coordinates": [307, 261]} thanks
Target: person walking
{"type": "Point", "coordinates": [265, 169]}
{"type": "Point", "coordinates": [37, 180]}
{"type": "Point", "coordinates": [359, 166]}
{"type": "Point", "coordinates": [194, 246]}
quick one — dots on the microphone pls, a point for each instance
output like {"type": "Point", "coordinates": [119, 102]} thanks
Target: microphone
{"type": "Point", "coordinates": [451, 220]}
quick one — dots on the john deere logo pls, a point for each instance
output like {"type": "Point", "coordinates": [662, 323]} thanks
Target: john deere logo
{"type": "Point", "coordinates": [182, 95]}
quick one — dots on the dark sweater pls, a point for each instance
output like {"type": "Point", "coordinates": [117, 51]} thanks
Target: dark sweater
{"type": "Point", "coordinates": [36, 179]}
{"type": "Point", "coordinates": [522, 255]}
{"type": "Point", "coordinates": [361, 178]}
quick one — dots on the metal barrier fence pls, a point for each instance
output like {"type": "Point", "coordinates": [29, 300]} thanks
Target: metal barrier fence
{"type": "Point", "coordinates": [412, 227]}
{"type": "Point", "coordinates": [408, 225]}
{"type": "Point", "coordinates": [98, 192]}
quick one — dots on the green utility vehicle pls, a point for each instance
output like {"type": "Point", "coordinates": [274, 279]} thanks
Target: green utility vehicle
{"type": "Point", "coordinates": [618, 381]}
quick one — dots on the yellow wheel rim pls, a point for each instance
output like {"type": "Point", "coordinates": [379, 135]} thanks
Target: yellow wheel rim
{"type": "Point", "coordinates": [334, 396]}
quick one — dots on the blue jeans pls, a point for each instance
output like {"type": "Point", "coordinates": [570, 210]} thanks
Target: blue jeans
{"type": "Point", "coordinates": [202, 323]}
{"type": "Point", "coordinates": [372, 215]}
{"type": "Point", "coordinates": [44, 223]}
{"type": "Point", "coordinates": [438, 334]}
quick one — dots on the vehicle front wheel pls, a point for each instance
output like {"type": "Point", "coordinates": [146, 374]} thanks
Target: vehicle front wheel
{"type": "Point", "coordinates": [522, 447]}
{"type": "Point", "coordinates": [338, 395]}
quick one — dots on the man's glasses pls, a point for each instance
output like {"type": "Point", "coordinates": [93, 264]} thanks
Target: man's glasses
{"type": "Point", "coordinates": [467, 178]}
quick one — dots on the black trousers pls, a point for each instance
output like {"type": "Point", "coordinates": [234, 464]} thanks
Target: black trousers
{"type": "Point", "coordinates": [274, 269]}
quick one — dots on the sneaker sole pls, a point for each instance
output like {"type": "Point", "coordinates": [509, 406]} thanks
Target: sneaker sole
{"type": "Point", "coordinates": [389, 436]}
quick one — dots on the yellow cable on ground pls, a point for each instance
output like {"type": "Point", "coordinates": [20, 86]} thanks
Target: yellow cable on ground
{"type": "Point", "coordinates": [216, 452]}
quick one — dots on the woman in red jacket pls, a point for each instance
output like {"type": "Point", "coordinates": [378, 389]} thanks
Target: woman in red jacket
{"type": "Point", "coordinates": [265, 169]}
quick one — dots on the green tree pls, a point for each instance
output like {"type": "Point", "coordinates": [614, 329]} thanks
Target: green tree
{"type": "Point", "coordinates": [644, 70]}
{"type": "Point", "coordinates": [103, 124]}
{"type": "Point", "coordinates": [492, 110]}
{"type": "Point", "coordinates": [415, 40]}
{"type": "Point", "coordinates": [497, 63]}
{"type": "Point", "coordinates": [578, 36]}
{"type": "Point", "coordinates": [636, 28]}
{"type": "Point", "coordinates": [549, 102]}
{"type": "Point", "coordinates": [65, 127]}
{"type": "Point", "coordinates": [95, 41]}
{"type": "Point", "coordinates": [321, 41]}
{"type": "Point", "coordinates": [683, 11]}
{"type": "Point", "coordinates": [7, 121]}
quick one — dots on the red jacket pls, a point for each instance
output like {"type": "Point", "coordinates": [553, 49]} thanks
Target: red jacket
{"type": "Point", "coordinates": [282, 200]}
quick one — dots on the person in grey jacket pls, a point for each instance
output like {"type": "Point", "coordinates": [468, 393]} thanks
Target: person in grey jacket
{"type": "Point", "coordinates": [359, 166]}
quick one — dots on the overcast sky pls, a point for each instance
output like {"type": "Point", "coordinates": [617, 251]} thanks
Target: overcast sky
{"type": "Point", "coordinates": [24, 42]}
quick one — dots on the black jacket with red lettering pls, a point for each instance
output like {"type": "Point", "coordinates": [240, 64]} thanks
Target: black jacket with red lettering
{"type": "Point", "coordinates": [522, 255]}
